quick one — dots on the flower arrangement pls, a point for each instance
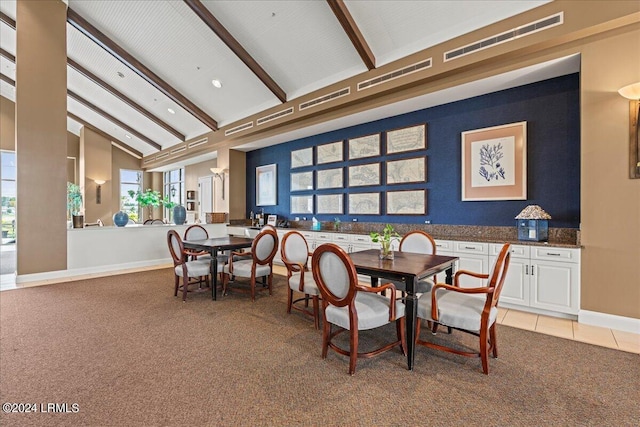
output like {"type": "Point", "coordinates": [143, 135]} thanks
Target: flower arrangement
{"type": "Point", "coordinates": [385, 239]}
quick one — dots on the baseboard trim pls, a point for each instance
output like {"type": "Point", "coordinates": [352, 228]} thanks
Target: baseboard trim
{"type": "Point", "coordinates": [611, 321]}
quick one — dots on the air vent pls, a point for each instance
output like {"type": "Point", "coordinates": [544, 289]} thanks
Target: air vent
{"type": "Point", "coordinates": [149, 160]}
{"type": "Point", "coordinates": [325, 98]}
{"type": "Point", "coordinates": [274, 116]}
{"type": "Point", "coordinates": [521, 31]}
{"type": "Point", "coordinates": [179, 150]}
{"type": "Point", "coordinates": [237, 129]}
{"type": "Point", "coordinates": [422, 65]}
{"type": "Point", "coordinates": [198, 143]}
{"type": "Point", "coordinates": [162, 156]}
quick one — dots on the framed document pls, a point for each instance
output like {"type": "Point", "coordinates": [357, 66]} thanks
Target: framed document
{"type": "Point", "coordinates": [302, 204]}
{"type": "Point", "coordinates": [329, 153]}
{"type": "Point", "coordinates": [329, 178]}
{"type": "Point", "coordinates": [407, 202]}
{"type": "Point", "coordinates": [266, 185]}
{"type": "Point", "coordinates": [406, 139]}
{"type": "Point", "coordinates": [407, 170]}
{"type": "Point", "coordinates": [364, 146]}
{"type": "Point", "coordinates": [329, 204]}
{"type": "Point", "coordinates": [302, 181]}
{"type": "Point", "coordinates": [300, 158]}
{"type": "Point", "coordinates": [364, 203]}
{"type": "Point", "coordinates": [367, 174]}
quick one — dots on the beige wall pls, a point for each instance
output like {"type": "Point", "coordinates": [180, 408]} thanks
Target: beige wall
{"type": "Point", "coordinates": [95, 161]}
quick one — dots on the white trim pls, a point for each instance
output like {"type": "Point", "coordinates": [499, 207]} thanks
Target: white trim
{"type": "Point", "coordinates": [611, 321]}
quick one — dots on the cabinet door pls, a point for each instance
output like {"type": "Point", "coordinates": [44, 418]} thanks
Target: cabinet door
{"type": "Point", "coordinates": [555, 286]}
{"type": "Point", "coordinates": [475, 263]}
{"type": "Point", "coordinates": [516, 285]}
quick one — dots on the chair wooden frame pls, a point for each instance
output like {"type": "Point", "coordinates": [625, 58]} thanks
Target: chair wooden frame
{"type": "Point", "coordinates": [297, 267]}
{"type": "Point", "coordinates": [487, 334]}
{"type": "Point", "coordinates": [329, 298]}
{"type": "Point", "coordinates": [181, 260]}
{"type": "Point", "coordinates": [255, 262]}
{"type": "Point", "coordinates": [424, 234]}
{"type": "Point", "coordinates": [194, 254]}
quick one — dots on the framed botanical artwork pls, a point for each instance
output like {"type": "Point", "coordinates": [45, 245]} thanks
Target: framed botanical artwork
{"type": "Point", "coordinates": [266, 185]}
{"type": "Point", "coordinates": [302, 204]}
{"type": "Point", "coordinates": [367, 174]}
{"type": "Point", "coordinates": [407, 139]}
{"type": "Point", "coordinates": [364, 203]}
{"type": "Point", "coordinates": [329, 204]}
{"type": "Point", "coordinates": [329, 178]}
{"type": "Point", "coordinates": [407, 202]}
{"type": "Point", "coordinates": [302, 181]}
{"type": "Point", "coordinates": [329, 153]}
{"type": "Point", "coordinates": [494, 163]}
{"type": "Point", "coordinates": [407, 170]}
{"type": "Point", "coordinates": [364, 146]}
{"type": "Point", "coordinates": [301, 158]}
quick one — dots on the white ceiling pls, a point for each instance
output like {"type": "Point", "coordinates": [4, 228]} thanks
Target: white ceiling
{"type": "Point", "coordinates": [300, 44]}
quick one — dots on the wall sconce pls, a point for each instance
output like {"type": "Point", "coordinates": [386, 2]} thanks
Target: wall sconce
{"type": "Point", "coordinates": [99, 183]}
{"type": "Point", "coordinates": [219, 173]}
{"type": "Point", "coordinates": [632, 93]}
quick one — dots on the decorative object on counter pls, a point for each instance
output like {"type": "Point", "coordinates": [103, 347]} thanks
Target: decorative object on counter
{"type": "Point", "coordinates": [179, 214]}
{"type": "Point", "coordinates": [386, 240]}
{"type": "Point", "coordinates": [533, 224]}
{"type": "Point", "coordinates": [215, 217]}
{"type": "Point", "coordinates": [632, 93]}
{"type": "Point", "coordinates": [74, 204]}
{"type": "Point", "coordinates": [336, 223]}
{"type": "Point", "coordinates": [120, 219]}
{"type": "Point", "coordinates": [315, 224]}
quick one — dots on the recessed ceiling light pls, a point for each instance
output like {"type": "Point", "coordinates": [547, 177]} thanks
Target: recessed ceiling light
{"type": "Point", "coordinates": [171, 110]}
{"type": "Point", "coordinates": [127, 135]}
{"type": "Point", "coordinates": [121, 75]}
{"type": "Point", "coordinates": [216, 83]}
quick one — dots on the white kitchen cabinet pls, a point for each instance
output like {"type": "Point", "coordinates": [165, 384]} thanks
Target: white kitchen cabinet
{"type": "Point", "coordinates": [472, 257]}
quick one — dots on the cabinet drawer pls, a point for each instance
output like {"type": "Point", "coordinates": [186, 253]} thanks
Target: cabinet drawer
{"type": "Point", "coordinates": [444, 246]}
{"type": "Point", "coordinates": [308, 235]}
{"type": "Point", "coordinates": [326, 237]}
{"type": "Point", "coordinates": [360, 238]}
{"type": "Point", "coordinates": [517, 251]}
{"type": "Point", "coordinates": [471, 248]}
{"type": "Point", "coordinates": [556, 254]}
{"type": "Point", "coordinates": [340, 238]}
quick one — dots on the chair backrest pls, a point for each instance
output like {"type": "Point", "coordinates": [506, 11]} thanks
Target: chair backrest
{"type": "Point", "coordinates": [176, 248]}
{"type": "Point", "coordinates": [334, 274]}
{"type": "Point", "coordinates": [157, 222]}
{"type": "Point", "coordinates": [100, 223]}
{"type": "Point", "coordinates": [499, 273]}
{"type": "Point", "coordinates": [196, 232]}
{"type": "Point", "coordinates": [418, 241]}
{"type": "Point", "coordinates": [268, 227]}
{"type": "Point", "coordinates": [294, 248]}
{"type": "Point", "coordinates": [264, 247]}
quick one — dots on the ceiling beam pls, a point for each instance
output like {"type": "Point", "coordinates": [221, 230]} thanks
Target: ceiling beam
{"type": "Point", "coordinates": [207, 17]}
{"type": "Point", "coordinates": [137, 67]}
{"type": "Point", "coordinates": [112, 119]}
{"type": "Point", "coordinates": [122, 97]}
{"type": "Point", "coordinates": [349, 25]}
{"type": "Point", "coordinates": [7, 80]}
{"type": "Point", "coordinates": [7, 55]}
{"type": "Point", "coordinates": [7, 20]}
{"type": "Point", "coordinates": [104, 134]}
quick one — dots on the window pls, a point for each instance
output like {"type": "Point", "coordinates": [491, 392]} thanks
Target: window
{"type": "Point", "coordinates": [130, 180]}
{"type": "Point", "coordinates": [174, 189]}
{"type": "Point", "coordinates": [8, 194]}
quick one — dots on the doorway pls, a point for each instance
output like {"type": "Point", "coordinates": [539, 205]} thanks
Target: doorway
{"type": "Point", "coordinates": [205, 197]}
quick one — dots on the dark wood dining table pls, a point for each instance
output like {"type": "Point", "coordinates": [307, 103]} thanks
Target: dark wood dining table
{"type": "Point", "coordinates": [214, 245]}
{"type": "Point", "coordinates": [410, 268]}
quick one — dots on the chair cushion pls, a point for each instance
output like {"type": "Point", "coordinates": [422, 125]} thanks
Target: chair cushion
{"type": "Point", "coordinates": [372, 311]}
{"type": "Point", "coordinates": [424, 285]}
{"type": "Point", "coordinates": [194, 269]}
{"type": "Point", "coordinates": [456, 309]}
{"type": "Point", "coordinates": [243, 269]}
{"type": "Point", "coordinates": [310, 286]}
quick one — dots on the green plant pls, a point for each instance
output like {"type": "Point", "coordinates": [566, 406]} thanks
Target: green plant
{"type": "Point", "coordinates": [336, 223]}
{"type": "Point", "coordinates": [74, 199]}
{"type": "Point", "coordinates": [151, 199]}
{"type": "Point", "coordinates": [385, 239]}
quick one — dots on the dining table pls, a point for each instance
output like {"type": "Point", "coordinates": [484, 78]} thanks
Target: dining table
{"type": "Point", "coordinates": [408, 267]}
{"type": "Point", "coordinates": [213, 246]}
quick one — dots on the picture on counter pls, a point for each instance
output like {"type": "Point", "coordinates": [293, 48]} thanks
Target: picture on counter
{"type": "Point", "coordinates": [329, 204]}
{"type": "Point", "coordinates": [302, 204]}
{"type": "Point", "coordinates": [302, 181]}
{"type": "Point", "coordinates": [407, 170]}
{"type": "Point", "coordinates": [364, 146]}
{"type": "Point", "coordinates": [329, 153]}
{"type": "Point", "coordinates": [406, 139]}
{"type": "Point", "coordinates": [368, 174]}
{"type": "Point", "coordinates": [406, 202]}
{"type": "Point", "coordinates": [329, 178]}
{"type": "Point", "coordinates": [300, 158]}
{"type": "Point", "coordinates": [494, 163]}
{"type": "Point", "coordinates": [266, 185]}
{"type": "Point", "coordinates": [364, 203]}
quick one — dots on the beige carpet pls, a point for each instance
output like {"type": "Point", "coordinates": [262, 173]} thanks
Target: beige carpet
{"type": "Point", "coordinates": [129, 354]}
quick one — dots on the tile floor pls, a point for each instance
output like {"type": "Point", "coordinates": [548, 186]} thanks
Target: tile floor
{"type": "Point", "coordinates": [563, 328]}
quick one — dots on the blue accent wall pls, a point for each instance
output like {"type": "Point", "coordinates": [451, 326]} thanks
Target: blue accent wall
{"type": "Point", "coordinates": [551, 109]}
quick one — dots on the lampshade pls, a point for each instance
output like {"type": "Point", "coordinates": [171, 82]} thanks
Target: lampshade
{"type": "Point", "coordinates": [217, 170]}
{"type": "Point", "coordinates": [631, 91]}
{"type": "Point", "coordinates": [100, 181]}
{"type": "Point", "coordinates": [533, 212]}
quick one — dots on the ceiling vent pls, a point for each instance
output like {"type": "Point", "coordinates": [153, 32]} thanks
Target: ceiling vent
{"type": "Point", "coordinates": [274, 116]}
{"type": "Point", "coordinates": [392, 75]}
{"type": "Point", "coordinates": [162, 156]}
{"type": "Point", "coordinates": [179, 150]}
{"type": "Point", "coordinates": [325, 98]}
{"type": "Point", "coordinates": [237, 129]}
{"type": "Point", "coordinates": [198, 142]}
{"type": "Point", "coordinates": [515, 33]}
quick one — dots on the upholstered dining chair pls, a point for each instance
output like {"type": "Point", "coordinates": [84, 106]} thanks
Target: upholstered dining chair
{"type": "Point", "coordinates": [183, 268]}
{"type": "Point", "coordinates": [417, 241]}
{"type": "Point", "coordinates": [263, 249]}
{"type": "Point", "coordinates": [353, 307]}
{"type": "Point", "coordinates": [471, 310]}
{"type": "Point", "coordinates": [198, 232]}
{"type": "Point", "coordinates": [294, 252]}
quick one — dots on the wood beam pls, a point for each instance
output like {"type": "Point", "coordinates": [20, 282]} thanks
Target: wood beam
{"type": "Point", "coordinates": [109, 117]}
{"type": "Point", "coordinates": [105, 135]}
{"type": "Point", "coordinates": [207, 17]}
{"type": "Point", "coordinates": [122, 97]}
{"type": "Point", "coordinates": [7, 55]}
{"type": "Point", "coordinates": [7, 20]}
{"type": "Point", "coordinates": [137, 67]}
{"type": "Point", "coordinates": [349, 25]}
{"type": "Point", "coordinates": [7, 80]}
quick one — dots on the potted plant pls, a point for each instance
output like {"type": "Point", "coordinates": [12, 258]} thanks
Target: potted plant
{"type": "Point", "coordinates": [386, 240]}
{"type": "Point", "coordinates": [74, 204]}
{"type": "Point", "coordinates": [147, 199]}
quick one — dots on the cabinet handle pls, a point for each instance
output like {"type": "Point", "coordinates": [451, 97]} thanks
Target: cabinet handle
{"type": "Point", "coordinates": [552, 254]}
{"type": "Point", "coordinates": [526, 270]}
{"type": "Point", "coordinates": [470, 247]}
{"type": "Point", "coordinates": [532, 270]}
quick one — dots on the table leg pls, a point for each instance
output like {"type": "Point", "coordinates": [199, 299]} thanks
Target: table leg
{"type": "Point", "coordinates": [411, 318]}
{"type": "Point", "coordinates": [214, 274]}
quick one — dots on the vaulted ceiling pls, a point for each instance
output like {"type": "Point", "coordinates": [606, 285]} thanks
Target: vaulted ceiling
{"type": "Point", "coordinates": [142, 71]}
